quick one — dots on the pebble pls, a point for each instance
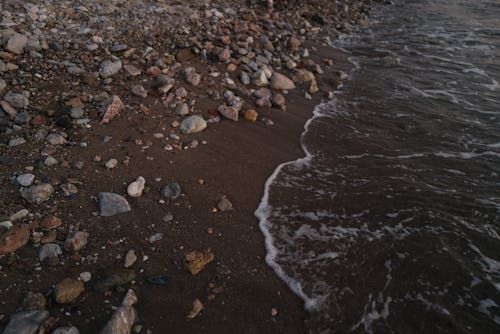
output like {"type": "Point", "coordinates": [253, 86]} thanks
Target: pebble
{"type": "Point", "coordinates": [75, 241]}
{"type": "Point", "coordinates": [37, 194]}
{"type": "Point", "coordinates": [48, 251]}
{"type": "Point", "coordinates": [224, 204]}
{"type": "Point", "coordinates": [281, 82]}
{"type": "Point", "coordinates": [69, 189]}
{"type": "Point", "coordinates": [25, 180]}
{"type": "Point", "coordinates": [21, 214]}
{"type": "Point", "coordinates": [68, 290]}
{"type": "Point", "coordinates": [251, 115]}
{"type": "Point", "coordinates": [50, 222]}
{"type": "Point", "coordinates": [50, 161]}
{"type": "Point", "coordinates": [171, 190]}
{"type": "Point", "coordinates": [140, 91]}
{"type": "Point", "coordinates": [66, 330]}
{"type": "Point", "coordinates": [198, 260]}
{"type": "Point", "coordinates": [136, 188]}
{"type": "Point", "coordinates": [17, 141]}
{"type": "Point", "coordinates": [111, 163]}
{"type": "Point", "coordinates": [182, 109]}
{"type": "Point", "coordinates": [15, 238]}
{"type": "Point", "coordinates": [16, 100]}
{"type": "Point", "coordinates": [111, 204]}
{"type": "Point", "coordinates": [229, 112]}
{"type": "Point", "coordinates": [55, 139]}
{"type": "Point", "coordinates": [130, 259]}
{"type": "Point", "coordinates": [26, 322]}
{"type": "Point", "coordinates": [114, 279]}
{"type": "Point", "coordinates": [85, 276]}
{"type": "Point", "coordinates": [193, 78]}
{"type": "Point", "coordinates": [77, 113]}
{"type": "Point", "coordinates": [33, 301]}
{"type": "Point", "coordinates": [124, 317]}
{"type": "Point", "coordinates": [17, 43]}
{"type": "Point", "coordinates": [111, 109]}
{"type": "Point", "coordinates": [110, 68]}
{"type": "Point", "coordinates": [193, 124]}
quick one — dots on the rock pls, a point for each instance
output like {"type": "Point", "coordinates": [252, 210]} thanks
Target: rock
{"type": "Point", "coordinates": [245, 78]}
{"type": "Point", "coordinates": [25, 180]}
{"type": "Point", "coordinates": [22, 118]}
{"type": "Point", "coordinates": [224, 55]}
{"type": "Point", "coordinates": [136, 188]}
{"type": "Point", "coordinates": [132, 70]}
{"type": "Point", "coordinates": [130, 259]}
{"type": "Point", "coordinates": [112, 204]}
{"type": "Point", "coordinates": [17, 43]}
{"type": "Point", "coordinates": [21, 214]}
{"type": "Point", "coordinates": [33, 301]}
{"type": "Point", "coordinates": [66, 330]}
{"type": "Point", "coordinates": [229, 112]}
{"type": "Point", "coordinates": [49, 222]}
{"type": "Point", "coordinates": [182, 109]}
{"type": "Point", "coordinates": [55, 139]}
{"type": "Point", "coordinates": [117, 278]}
{"type": "Point", "coordinates": [124, 317]}
{"type": "Point", "coordinates": [198, 260]}
{"type": "Point", "coordinates": [260, 79]}
{"type": "Point", "coordinates": [197, 308]}
{"type": "Point", "coordinates": [16, 100]}
{"type": "Point", "coordinates": [184, 55]}
{"type": "Point", "coordinates": [278, 100]}
{"type": "Point", "coordinates": [111, 163]}
{"type": "Point", "coordinates": [224, 204]}
{"type": "Point", "coordinates": [69, 189]}
{"type": "Point", "coordinates": [111, 109]}
{"type": "Point", "coordinates": [76, 113]}
{"type": "Point", "coordinates": [193, 78]}
{"type": "Point", "coordinates": [50, 161]}
{"type": "Point", "coordinates": [48, 251]}
{"type": "Point", "coordinates": [37, 194]}
{"type": "Point", "coordinates": [3, 85]}
{"type": "Point", "coordinates": [75, 241]}
{"type": "Point", "coordinates": [16, 141]}
{"type": "Point", "coordinates": [171, 190]}
{"type": "Point", "coordinates": [294, 44]}
{"type": "Point", "coordinates": [26, 322]}
{"type": "Point", "coordinates": [193, 124]}
{"type": "Point", "coordinates": [140, 91]}
{"type": "Point", "coordinates": [155, 237]}
{"type": "Point", "coordinates": [85, 276]}
{"type": "Point", "coordinates": [251, 115]}
{"type": "Point", "coordinates": [281, 82]}
{"type": "Point", "coordinates": [9, 110]}
{"type": "Point", "coordinates": [110, 68]}
{"type": "Point", "coordinates": [68, 290]}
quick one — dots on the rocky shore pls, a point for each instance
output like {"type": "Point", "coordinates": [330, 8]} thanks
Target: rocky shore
{"type": "Point", "coordinates": [135, 138]}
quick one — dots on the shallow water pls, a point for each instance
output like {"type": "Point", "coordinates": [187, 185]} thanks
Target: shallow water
{"type": "Point", "coordinates": [390, 224]}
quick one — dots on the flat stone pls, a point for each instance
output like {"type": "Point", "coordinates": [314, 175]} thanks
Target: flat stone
{"type": "Point", "coordinates": [26, 322]}
{"type": "Point", "coordinates": [68, 290]}
{"type": "Point", "coordinates": [193, 124]}
{"type": "Point", "coordinates": [8, 109]}
{"type": "Point", "coordinates": [21, 214]}
{"type": "Point", "coordinates": [281, 82]}
{"type": "Point", "coordinates": [22, 118]}
{"type": "Point", "coordinates": [171, 190]}
{"type": "Point", "coordinates": [132, 70]}
{"type": "Point", "coordinates": [112, 204]}
{"type": "Point", "coordinates": [14, 238]}
{"type": "Point", "coordinates": [111, 109]}
{"type": "Point", "coordinates": [37, 194]}
{"type": "Point", "coordinates": [75, 241]}
{"type": "Point", "coordinates": [25, 180]}
{"type": "Point", "coordinates": [17, 100]}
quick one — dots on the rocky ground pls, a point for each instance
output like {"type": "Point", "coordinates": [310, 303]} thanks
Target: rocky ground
{"type": "Point", "coordinates": [130, 158]}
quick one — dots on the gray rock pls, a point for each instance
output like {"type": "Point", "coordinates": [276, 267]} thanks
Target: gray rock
{"type": "Point", "coordinates": [37, 194]}
{"type": "Point", "coordinates": [48, 251]}
{"type": "Point", "coordinates": [16, 141]}
{"type": "Point", "coordinates": [55, 139]}
{"type": "Point", "coordinates": [110, 68]}
{"type": "Point", "coordinates": [124, 317]}
{"type": "Point", "coordinates": [17, 43]}
{"type": "Point", "coordinates": [182, 109]}
{"type": "Point", "coordinates": [171, 190]}
{"type": "Point", "coordinates": [140, 91]}
{"type": "Point", "coordinates": [245, 78]}
{"type": "Point", "coordinates": [260, 79]}
{"type": "Point", "coordinates": [16, 100]}
{"type": "Point", "coordinates": [25, 322]}
{"type": "Point", "coordinates": [193, 124]}
{"type": "Point", "coordinates": [224, 204]}
{"type": "Point", "coordinates": [22, 118]}
{"type": "Point", "coordinates": [281, 82]}
{"type": "Point", "coordinates": [66, 330]}
{"type": "Point", "coordinates": [111, 204]}
{"type": "Point", "coordinates": [76, 113]}
{"type": "Point", "coordinates": [25, 180]}
{"type": "Point", "coordinates": [50, 161]}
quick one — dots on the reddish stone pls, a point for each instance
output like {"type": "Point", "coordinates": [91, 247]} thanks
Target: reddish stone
{"type": "Point", "coordinates": [14, 238]}
{"type": "Point", "coordinates": [114, 107]}
{"type": "Point", "coordinates": [50, 222]}
{"type": "Point", "coordinates": [153, 71]}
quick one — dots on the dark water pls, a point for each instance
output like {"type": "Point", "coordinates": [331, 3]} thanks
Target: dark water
{"type": "Point", "coordinates": [391, 223]}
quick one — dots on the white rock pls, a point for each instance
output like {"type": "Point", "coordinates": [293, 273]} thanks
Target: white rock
{"type": "Point", "coordinates": [136, 188]}
{"type": "Point", "coordinates": [193, 124]}
{"type": "Point", "coordinates": [25, 180]}
{"type": "Point", "coordinates": [111, 163]}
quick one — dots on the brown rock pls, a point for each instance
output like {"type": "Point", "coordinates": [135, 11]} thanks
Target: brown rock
{"type": "Point", "coordinates": [76, 241]}
{"type": "Point", "coordinates": [198, 260]}
{"type": "Point", "coordinates": [68, 290]}
{"type": "Point", "coordinates": [112, 109]}
{"type": "Point", "coordinates": [185, 55]}
{"type": "Point", "coordinates": [251, 115]}
{"type": "Point", "coordinates": [50, 222]}
{"type": "Point", "coordinates": [5, 106]}
{"type": "Point", "coordinates": [294, 44]}
{"type": "Point", "coordinates": [197, 308]}
{"type": "Point", "coordinates": [229, 112]}
{"type": "Point", "coordinates": [224, 55]}
{"type": "Point", "coordinates": [51, 236]}
{"type": "Point", "coordinates": [14, 238]}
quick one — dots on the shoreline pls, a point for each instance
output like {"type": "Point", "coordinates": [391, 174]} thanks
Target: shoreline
{"type": "Point", "coordinates": [234, 159]}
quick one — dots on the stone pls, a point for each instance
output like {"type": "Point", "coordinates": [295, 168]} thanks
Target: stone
{"type": "Point", "coordinates": [37, 194]}
{"type": "Point", "coordinates": [16, 100]}
{"type": "Point", "coordinates": [184, 55]}
{"type": "Point", "coordinates": [140, 91]}
{"type": "Point", "coordinates": [17, 43]}
{"type": "Point", "coordinates": [136, 188]}
{"type": "Point", "coordinates": [224, 204]}
{"type": "Point", "coordinates": [171, 190]}
{"type": "Point", "coordinates": [69, 189]}
{"type": "Point", "coordinates": [17, 141]}
{"type": "Point", "coordinates": [25, 180]}
{"type": "Point", "coordinates": [281, 82]}
{"type": "Point", "coordinates": [193, 78]}
{"type": "Point", "coordinates": [294, 44]}
{"type": "Point", "coordinates": [198, 260]}
{"type": "Point", "coordinates": [22, 118]}
{"type": "Point", "coordinates": [111, 109]}
{"type": "Point", "coordinates": [130, 259]}
{"type": "Point", "coordinates": [182, 109]}
{"type": "Point", "coordinates": [56, 139]}
{"type": "Point", "coordinates": [33, 301]}
{"type": "Point", "coordinates": [77, 113]}
{"type": "Point", "coordinates": [21, 214]}
{"type": "Point", "coordinates": [111, 204]}
{"type": "Point", "coordinates": [111, 163]}
{"type": "Point", "coordinates": [68, 290]}
{"type": "Point", "coordinates": [75, 241]}
{"type": "Point", "coordinates": [50, 161]}
{"type": "Point", "coordinates": [197, 308]}
{"type": "Point", "coordinates": [85, 276]}
{"type": "Point", "coordinates": [66, 330]}
{"type": "Point", "coordinates": [193, 124]}
{"type": "Point", "coordinates": [49, 251]}
{"type": "Point", "coordinates": [245, 78]}
{"type": "Point", "coordinates": [26, 322]}
{"type": "Point", "coordinates": [8, 109]}
{"type": "Point", "coordinates": [278, 100]}
{"type": "Point", "coordinates": [3, 85]}
{"type": "Point", "coordinates": [115, 279]}
{"type": "Point", "coordinates": [229, 112]}
{"type": "Point", "coordinates": [251, 115]}
{"type": "Point", "coordinates": [49, 222]}
{"type": "Point", "coordinates": [15, 238]}
{"type": "Point", "coordinates": [224, 55]}
{"type": "Point", "coordinates": [124, 317]}
{"type": "Point", "coordinates": [110, 68]}
{"type": "Point", "coordinates": [260, 79]}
